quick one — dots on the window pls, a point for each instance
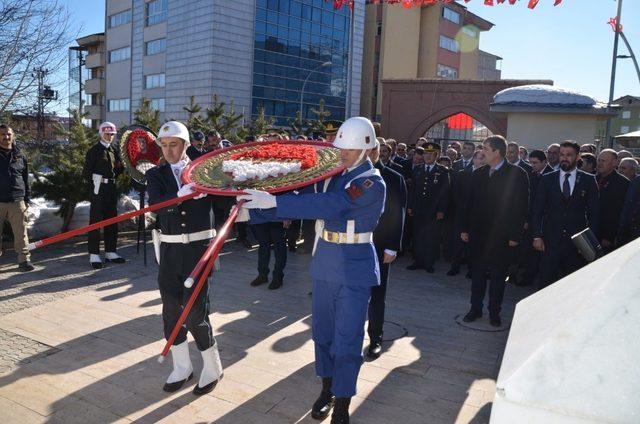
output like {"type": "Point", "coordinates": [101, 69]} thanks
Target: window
{"type": "Point", "coordinates": [118, 55]}
{"type": "Point", "coordinates": [154, 81]}
{"type": "Point", "coordinates": [470, 31]}
{"type": "Point", "coordinates": [156, 12]}
{"type": "Point", "coordinates": [118, 105]}
{"type": "Point", "coordinates": [156, 46]}
{"type": "Point", "coordinates": [450, 15]}
{"type": "Point", "coordinates": [157, 104]}
{"type": "Point", "coordinates": [624, 129]}
{"type": "Point", "coordinates": [626, 114]}
{"type": "Point", "coordinates": [120, 18]}
{"type": "Point", "coordinates": [447, 72]}
{"type": "Point", "coordinates": [449, 44]}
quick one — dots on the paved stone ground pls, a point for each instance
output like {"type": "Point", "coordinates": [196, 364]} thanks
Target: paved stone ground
{"type": "Point", "coordinates": [78, 345]}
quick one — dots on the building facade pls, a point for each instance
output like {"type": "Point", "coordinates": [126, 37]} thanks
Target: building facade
{"type": "Point", "coordinates": [628, 119]}
{"type": "Point", "coordinates": [87, 77]}
{"type": "Point", "coordinates": [435, 41]}
{"type": "Point", "coordinates": [256, 53]}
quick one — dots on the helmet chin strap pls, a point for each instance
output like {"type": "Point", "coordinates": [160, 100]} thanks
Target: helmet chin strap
{"type": "Point", "coordinates": [360, 161]}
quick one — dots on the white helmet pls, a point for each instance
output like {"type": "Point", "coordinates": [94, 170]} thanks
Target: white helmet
{"type": "Point", "coordinates": [107, 128]}
{"type": "Point", "coordinates": [356, 133]}
{"type": "Point", "coordinates": [174, 129]}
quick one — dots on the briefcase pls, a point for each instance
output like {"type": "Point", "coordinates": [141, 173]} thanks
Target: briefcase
{"type": "Point", "coordinates": [587, 244]}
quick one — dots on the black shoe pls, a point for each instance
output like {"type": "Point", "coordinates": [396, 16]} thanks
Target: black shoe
{"type": "Point", "coordinates": [430, 270]}
{"type": "Point", "coordinates": [413, 267]}
{"type": "Point", "coordinates": [276, 283]}
{"type": "Point", "coordinates": [246, 243]}
{"type": "Point", "coordinates": [495, 321]}
{"type": "Point", "coordinates": [115, 261]}
{"type": "Point", "coordinates": [25, 266]}
{"type": "Point", "coordinates": [174, 387]}
{"type": "Point", "coordinates": [341, 411]}
{"type": "Point", "coordinates": [323, 405]}
{"type": "Point", "coordinates": [199, 391]}
{"type": "Point", "coordinates": [472, 316]}
{"type": "Point", "coordinates": [375, 350]}
{"type": "Point", "coordinates": [453, 271]}
{"type": "Point", "coordinates": [259, 280]}
{"type": "Point", "coordinates": [97, 265]}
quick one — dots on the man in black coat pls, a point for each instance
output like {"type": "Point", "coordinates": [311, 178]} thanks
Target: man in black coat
{"type": "Point", "coordinates": [196, 149]}
{"type": "Point", "coordinates": [494, 225]}
{"type": "Point", "coordinates": [185, 234]}
{"type": "Point", "coordinates": [613, 190]}
{"type": "Point", "coordinates": [566, 203]}
{"type": "Point", "coordinates": [387, 238]}
{"type": "Point", "coordinates": [428, 202]}
{"type": "Point", "coordinates": [385, 157]}
{"type": "Point", "coordinates": [102, 166]}
{"type": "Point", "coordinates": [466, 162]}
{"type": "Point", "coordinates": [629, 227]}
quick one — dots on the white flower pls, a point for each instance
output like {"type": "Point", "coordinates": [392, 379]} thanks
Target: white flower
{"type": "Point", "coordinates": [243, 170]}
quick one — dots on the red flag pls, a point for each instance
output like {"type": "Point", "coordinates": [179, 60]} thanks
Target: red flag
{"type": "Point", "coordinates": [557, 2]}
{"type": "Point", "coordinates": [533, 3]}
{"type": "Point", "coordinates": [512, 1]}
{"type": "Point", "coordinates": [488, 2]}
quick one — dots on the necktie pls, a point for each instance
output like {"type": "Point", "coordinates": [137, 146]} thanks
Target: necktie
{"type": "Point", "coordinates": [566, 188]}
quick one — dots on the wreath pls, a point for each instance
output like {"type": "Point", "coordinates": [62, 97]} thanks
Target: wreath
{"type": "Point", "coordinates": [140, 151]}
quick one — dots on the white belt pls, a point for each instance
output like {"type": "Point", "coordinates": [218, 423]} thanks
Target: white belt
{"type": "Point", "coordinates": [107, 180]}
{"type": "Point", "coordinates": [344, 238]}
{"type": "Point", "coordinates": [187, 238]}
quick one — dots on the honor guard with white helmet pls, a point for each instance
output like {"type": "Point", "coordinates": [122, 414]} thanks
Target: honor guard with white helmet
{"type": "Point", "coordinates": [185, 233]}
{"type": "Point", "coordinates": [344, 266]}
{"type": "Point", "coordinates": [101, 167]}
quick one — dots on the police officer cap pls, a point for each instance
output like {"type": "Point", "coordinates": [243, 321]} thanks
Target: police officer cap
{"type": "Point", "coordinates": [419, 151]}
{"type": "Point", "coordinates": [431, 146]}
{"type": "Point", "coordinates": [331, 127]}
{"type": "Point", "coordinates": [224, 143]}
{"type": "Point", "coordinates": [198, 136]}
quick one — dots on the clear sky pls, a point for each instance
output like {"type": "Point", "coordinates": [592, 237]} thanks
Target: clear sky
{"type": "Point", "coordinates": [570, 44]}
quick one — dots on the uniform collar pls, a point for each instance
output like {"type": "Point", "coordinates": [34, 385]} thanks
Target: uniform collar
{"type": "Point", "coordinates": [364, 166]}
{"type": "Point", "coordinates": [105, 145]}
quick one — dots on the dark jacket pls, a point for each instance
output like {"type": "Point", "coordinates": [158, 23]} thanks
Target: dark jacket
{"type": "Point", "coordinates": [430, 192]}
{"type": "Point", "coordinates": [629, 226]}
{"type": "Point", "coordinates": [613, 190]}
{"type": "Point", "coordinates": [194, 153]}
{"type": "Point", "coordinates": [103, 161]}
{"type": "Point", "coordinates": [14, 176]}
{"type": "Point", "coordinates": [458, 165]}
{"type": "Point", "coordinates": [388, 232]}
{"type": "Point", "coordinates": [555, 217]}
{"type": "Point", "coordinates": [187, 217]}
{"type": "Point", "coordinates": [496, 212]}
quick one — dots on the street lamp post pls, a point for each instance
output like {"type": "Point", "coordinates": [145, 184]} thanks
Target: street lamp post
{"type": "Point", "coordinates": [608, 141]}
{"type": "Point", "coordinates": [322, 65]}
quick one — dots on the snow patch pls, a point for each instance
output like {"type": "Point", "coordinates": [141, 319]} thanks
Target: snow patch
{"type": "Point", "coordinates": [543, 94]}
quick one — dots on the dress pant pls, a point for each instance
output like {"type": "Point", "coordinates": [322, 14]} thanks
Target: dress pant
{"type": "Point", "coordinates": [558, 260]}
{"type": "Point", "coordinates": [377, 304]}
{"type": "Point", "coordinates": [293, 233]}
{"type": "Point", "coordinates": [271, 233]}
{"type": "Point", "coordinates": [407, 235]}
{"type": "Point", "coordinates": [104, 206]}
{"type": "Point", "coordinates": [497, 275]}
{"type": "Point", "coordinates": [338, 316]}
{"type": "Point", "coordinates": [308, 233]}
{"type": "Point", "coordinates": [241, 227]}
{"type": "Point", "coordinates": [426, 241]}
{"type": "Point", "coordinates": [177, 260]}
{"type": "Point", "coordinates": [16, 213]}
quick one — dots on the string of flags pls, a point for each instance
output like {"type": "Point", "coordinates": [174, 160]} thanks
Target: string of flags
{"type": "Point", "coordinates": [407, 4]}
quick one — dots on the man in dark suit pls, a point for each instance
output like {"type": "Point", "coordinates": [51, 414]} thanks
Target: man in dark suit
{"type": "Point", "coordinates": [494, 225]}
{"type": "Point", "coordinates": [629, 227]}
{"type": "Point", "coordinates": [566, 203]}
{"type": "Point", "coordinates": [466, 162]}
{"type": "Point", "coordinates": [589, 163]}
{"type": "Point", "coordinates": [387, 238]}
{"type": "Point", "coordinates": [196, 149]}
{"type": "Point", "coordinates": [385, 157]}
{"type": "Point", "coordinates": [417, 161]}
{"type": "Point", "coordinates": [513, 156]}
{"type": "Point", "coordinates": [428, 202]}
{"type": "Point", "coordinates": [613, 190]}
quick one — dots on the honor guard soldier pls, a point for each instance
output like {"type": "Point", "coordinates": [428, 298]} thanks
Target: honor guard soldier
{"type": "Point", "coordinates": [345, 264]}
{"type": "Point", "coordinates": [428, 201]}
{"type": "Point", "coordinates": [185, 233]}
{"type": "Point", "coordinates": [101, 167]}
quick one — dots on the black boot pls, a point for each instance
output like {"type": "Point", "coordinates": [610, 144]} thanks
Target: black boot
{"type": "Point", "coordinates": [260, 279]}
{"type": "Point", "coordinates": [341, 411]}
{"type": "Point", "coordinates": [322, 406]}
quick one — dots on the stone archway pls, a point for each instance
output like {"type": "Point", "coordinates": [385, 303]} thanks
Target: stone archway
{"type": "Point", "coordinates": [411, 107]}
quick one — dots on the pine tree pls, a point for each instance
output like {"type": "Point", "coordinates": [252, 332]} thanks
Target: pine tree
{"type": "Point", "coordinates": [261, 124]}
{"type": "Point", "coordinates": [65, 185]}
{"type": "Point", "coordinates": [297, 127]}
{"type": "Point", "coordinates": [147, 116]}
{"type": "Point", "coordinates": [194, 120]}
{"type": "Point", "coordinates": [231, 122]}
{"type": "Point", "coordinates": [317, 125]}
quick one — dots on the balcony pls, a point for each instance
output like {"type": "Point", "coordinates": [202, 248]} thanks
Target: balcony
{"type": "Point", "coordinates": [94, 111]}
{"type": "Point", "coordinates": [95, 60]}
{"type": "Point", "coordinates": [94, 86]}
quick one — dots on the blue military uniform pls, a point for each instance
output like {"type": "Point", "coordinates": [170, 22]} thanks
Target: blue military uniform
{"type": "Point", "coordinates": [342, 273]}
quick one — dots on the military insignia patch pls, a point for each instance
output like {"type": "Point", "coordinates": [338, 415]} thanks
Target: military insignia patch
{"type": "Point", "coordinates": [367, 183]}
{"type": "Point", "coordinates": [354, 192]}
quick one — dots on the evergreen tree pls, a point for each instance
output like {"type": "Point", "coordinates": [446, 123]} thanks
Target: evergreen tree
{"type": "Point", "coordinates": [194, 120]}
{"type": "Point", "coordinates": [65, 185]}
{"type": "Point", "coordinates": [316, 126]}
{"type": "Point", "coordinates": [297, 128]}
{"type": "Point", "coordinates": [231, 122]}
{"type": "Point", "coordinates": [147, 116]}
{"type": "Point", "coordinates": [261, 124]}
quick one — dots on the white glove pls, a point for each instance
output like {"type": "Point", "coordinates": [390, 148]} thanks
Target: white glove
{"type": "Point", "coordinates": [187, 189]}
{"type": "Point", "coordinates": [243, 215]}
{"type": "Point", "coordinates": [258, 199]}
{"type": "Point", "coordinates": [97, 180]}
